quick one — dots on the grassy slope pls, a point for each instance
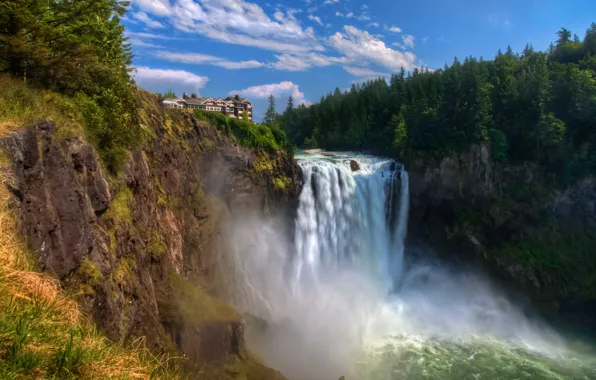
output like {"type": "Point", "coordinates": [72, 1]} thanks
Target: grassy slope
{"type": "Point", "coordinates": [42, 332]}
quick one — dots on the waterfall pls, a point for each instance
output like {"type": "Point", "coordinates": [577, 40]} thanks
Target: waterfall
{"type": "Point", "coordinates": [351, 219]}
{"type": "Point", "coordinates": [336, 299]}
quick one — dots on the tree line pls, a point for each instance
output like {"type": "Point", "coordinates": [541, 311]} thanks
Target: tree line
{"type": "Point", "coordinates": [76, 48]}
{"type": "Point", "coordinates": [532, 106]}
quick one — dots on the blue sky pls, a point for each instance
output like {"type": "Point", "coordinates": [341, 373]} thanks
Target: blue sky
{"type": "Point", "coordinates": [306, 48]}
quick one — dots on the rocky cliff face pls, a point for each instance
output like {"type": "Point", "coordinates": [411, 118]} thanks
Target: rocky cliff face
{"type": "Point", "coordinates": [516, 222]}
{"type": "Point", "coordinates": [141, 249]}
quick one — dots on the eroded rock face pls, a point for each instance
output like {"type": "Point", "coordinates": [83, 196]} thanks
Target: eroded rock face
{"type": "Point", "coordinates": [61, 187]}
{"type": "Point", "coordinates": [120, 242]}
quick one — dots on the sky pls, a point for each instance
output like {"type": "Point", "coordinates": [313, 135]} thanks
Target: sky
{"type": "Point", "coordinates": [307, 48]}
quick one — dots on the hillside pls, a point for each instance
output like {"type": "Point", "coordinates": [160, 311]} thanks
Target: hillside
{"type": "Point", "coordinates": [135, 249]}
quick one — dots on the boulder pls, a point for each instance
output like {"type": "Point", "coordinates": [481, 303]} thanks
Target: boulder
{"type": "Point", "coordinates": [354, 165]}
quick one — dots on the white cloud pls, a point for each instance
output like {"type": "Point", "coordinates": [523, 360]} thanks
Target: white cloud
{"type": "Point", "coordinates": [361, 47]}
{"type": "Point", "coordinates": [363, 72]}
{"type": "Point", "coordinates": [290, 62]}
{"type": "Point", "coordinates": [236, 22]}
{"type": "Point", "coordinates": [339, 14]}
{"type": "Point", "coordinates": [364, 17]}
{"type": "Point", "coordinates": [408, 40]}
{"type": "Point", "coordinates": [349, 15]}
{"type": "Point", "coordinates": [393, 29]}
{"type": "Point", "coordinates": [149, 36]}
{"type": "Point", "coordinates": [364, 6]}
{"type": "Point", "coordinates": [374, 24]}
{"type": "Point", "coordinates": [156, 7]}
{"type": "Point", "coordinates": [153, 24]}
{"type": "Point", "coordinates": [425, 39]}
{"type": "Point", "coordinates": [162, 80]}
{"type": "Point", "coordinates": [328, 2]}
{"type": "Point", "coordinates": [135, 42]}
{"type": "Point", "coordinates": [202, 59]}
{"type": "Point", "coordinates": [316, 19]}
{"type": "Point", "coordinates": [280, 90]}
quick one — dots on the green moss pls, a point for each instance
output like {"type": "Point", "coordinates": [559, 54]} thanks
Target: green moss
{"type": "Point", "coordinates": [119, 209]}
{"type": "Point", "coordinates": [281, 183]}
{"type": "Point", "coordinates": [124, 271]}
{"type": "Point", "coordinates": [194, 305]}
{"type": "Point", "coordinates": [263, 164]}
{"type": "Point", "coordinates": [90, 276]}
{"type": "Point", "coordinates": [155, 245]}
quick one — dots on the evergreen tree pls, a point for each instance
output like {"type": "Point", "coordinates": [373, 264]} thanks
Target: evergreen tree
{"type": "Point", "coordinates": [270, 114]}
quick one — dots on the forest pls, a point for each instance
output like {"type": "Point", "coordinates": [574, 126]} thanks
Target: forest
{"type": "Point", "coordinates": [537, 106]}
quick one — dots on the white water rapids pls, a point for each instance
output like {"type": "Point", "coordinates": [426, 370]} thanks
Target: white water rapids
{"type": "Point", "coordinates": [338, 299]}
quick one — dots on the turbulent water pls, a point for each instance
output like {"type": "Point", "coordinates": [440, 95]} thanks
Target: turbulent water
{"type": "Point", "coordinates": [339, 300]}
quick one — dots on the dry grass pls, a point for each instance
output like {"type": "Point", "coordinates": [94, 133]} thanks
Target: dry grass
{"type": "Point", "coordinates": [22, 105]}
{"type": "Point", "coordinates": [42, 332]}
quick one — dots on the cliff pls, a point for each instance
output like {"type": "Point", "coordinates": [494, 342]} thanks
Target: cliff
{"type": "Point", "coordinates": [516, 221]}
{"type": "Point", "coordinates": [140, 249]}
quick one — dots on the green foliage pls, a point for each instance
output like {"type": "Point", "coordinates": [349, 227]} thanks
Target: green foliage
{"type": "Point", "coordinates": [270, 114]}
{"type": "Point", "coordinates": [532, 107]}
{"type": "Point", "coordinates": [499, 145]}
{"type": "Point", "coordinates": [76, 48]}
{"type": "Point", "coordinates": [554, 259]}
{"type": "Point", "coordinates": [248, 134]}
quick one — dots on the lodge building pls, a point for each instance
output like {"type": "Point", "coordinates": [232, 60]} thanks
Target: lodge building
{"type": "Point", "coordinates": [233, 106]}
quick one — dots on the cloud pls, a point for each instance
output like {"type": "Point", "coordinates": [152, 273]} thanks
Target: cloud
{"type": "Point", "coordinates": [135, 42]}
{"type": "Point", "coordinates": [393, 29]}
{"type": "Point", "coordinates": [290, 62]}
{"type": "Point", "coordinates": [349, 15]}
{"type": "Point", "coordinates": [150, 36]}
{"type": "Point", "coordinates": [425, 39]}
{"type": "Point", "coordinates": [328, 2]}
{"type": "Point", "coordinates": [202, 59]}
{"type": "Point", "coordinates": [153, 24]}
{"type": "Point", "coordinates": [236, 22]}
{"type": "Point", "coordinates": [364, 6]}
{"type": "Point", "coordinates": [361, 47]}
{"type": "Point", "coordinates": [408, 40]}
{"type": "Point", "coordinates": [156, 7]}
{"type": "Point", "coordinates": [315, 19]}
{"type": "Point", "coordinates": [280, 90]}
{"type": "Point", "coordinates": [159, 80]}
{"type": "Point", "coordinates": [374, 24]}
{"type": "Point", "coordinates": [363, 72]}
{"type": "Point", "coordinates": [339, 14]}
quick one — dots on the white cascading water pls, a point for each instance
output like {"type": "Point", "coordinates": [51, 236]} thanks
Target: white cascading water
{"type": "Point", "coordinates": [351, 219]}
{"type": "Point", "coordinates": [337, 299]}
